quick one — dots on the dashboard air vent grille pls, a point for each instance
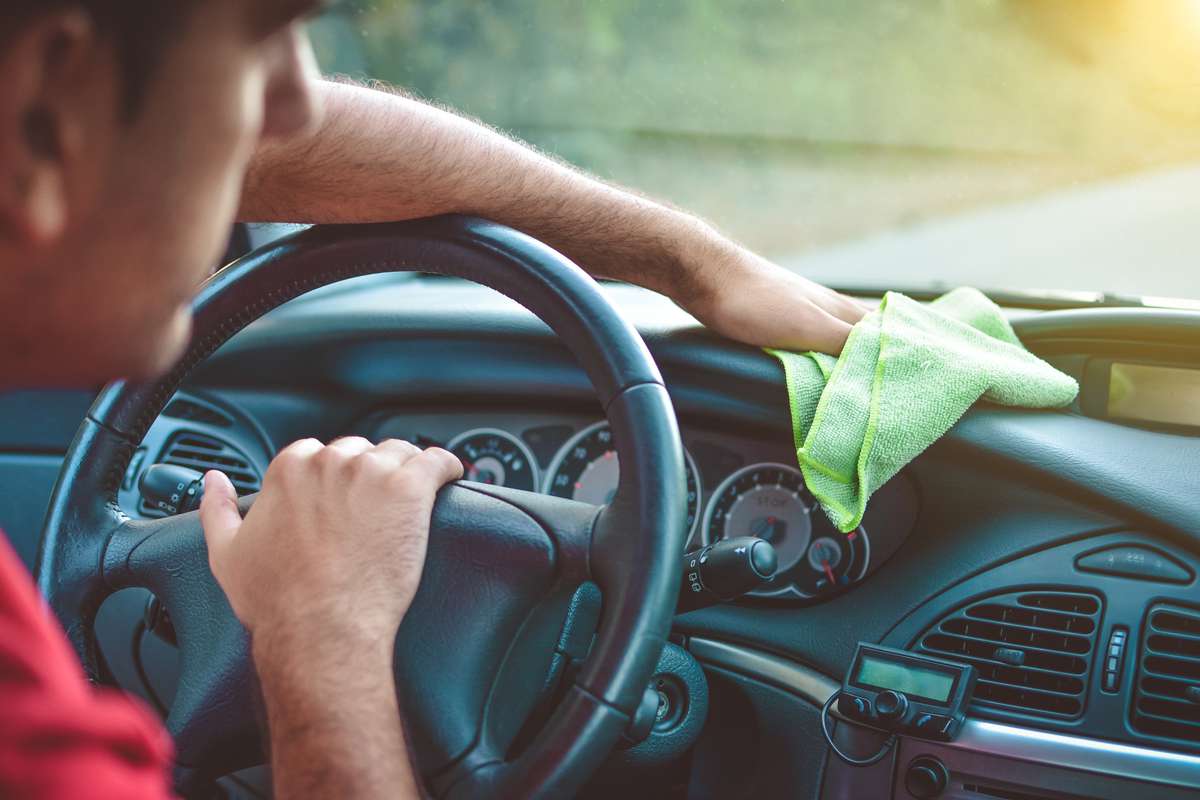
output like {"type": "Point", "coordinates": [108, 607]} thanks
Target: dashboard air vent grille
{"type": "Point", "coordinates": [1167, 700]}
{"type": "Point", "coordinates": [1032, 650]}
{"type": "Point", "coordinates": [202, 452]}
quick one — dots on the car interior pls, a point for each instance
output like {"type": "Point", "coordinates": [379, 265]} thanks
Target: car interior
{"type": "Point", "coordinates": [1016, 618]}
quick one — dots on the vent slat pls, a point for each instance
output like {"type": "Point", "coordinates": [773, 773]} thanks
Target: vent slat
{"type": "Point", "coordinates": [202, 443]}
{"type": "Point", "coordinates": [202, 452]}
{"type": "Point", "coordinates": [1026, 688]}
{"type": "Point", "coordinates": [1025, 700]}
{"type": "Point", "coordinates": [1174, 646]}
{"type": "Point", "coordinates": [1057, 657]}
{"type": "Point", "coordinates": [1039, 620]}
{"type": "Point", "coordinates": [1182, 668]}
{"type": "Point", "coordinates": [1166, 710]}
{"type": "Point", "coordinates": [1167, 676]}
{"type": "Point", "coordinates": [1168, 667]}
{"type": "Point", "coordinates": [1062, 601]}
{"type": "Point", "coordinates": [1022, 676]}
{"type": "Point", "coordinates": [1175, 623]}
{"type": "Point", "coordinates": [992, 663]}
{"type": "Point", "coordinates": [1055, 632]}
{"type": "Point", "coordinates": [1167, 693]}
{"type": "Point", "coordinates": [1080, 640]}
{"type": "Point", "coordinates": [1181, 636]}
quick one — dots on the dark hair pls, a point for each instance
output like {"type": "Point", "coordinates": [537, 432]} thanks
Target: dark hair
{"type": "Point", "coordinates": [141, 31]}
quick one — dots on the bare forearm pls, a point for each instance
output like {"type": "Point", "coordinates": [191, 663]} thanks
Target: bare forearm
{"type": "Point", "coordinates": [381, 156]}
{"type": "Point", "coordinates": [335, 727]}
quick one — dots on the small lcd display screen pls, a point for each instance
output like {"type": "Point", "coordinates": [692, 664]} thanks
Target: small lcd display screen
{"type": "Point", "coordinates": [920, 682]}
{"type": "Point", "coordinates": [1148, 393]}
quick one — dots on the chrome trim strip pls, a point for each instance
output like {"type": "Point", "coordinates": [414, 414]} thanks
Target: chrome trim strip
{"type": "Point", "coordinates": [1079, 753]}
{"type": "Point", "coordinates": [790, 676]}
{"type": "Point", "coordinates": [1162, 767]}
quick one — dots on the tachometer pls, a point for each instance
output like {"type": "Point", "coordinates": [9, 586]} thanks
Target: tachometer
{"type": "Point", "coordinates": [586, 468]}
{"type": "Point", "coordinates": [770, 501]}
{"type": "Point", "coordinates": [497, 457]}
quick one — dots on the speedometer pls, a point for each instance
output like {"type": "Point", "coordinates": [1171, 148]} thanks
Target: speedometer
{"type": "Point", "coordinates": [770, 501]}
{"type": "Point", "coordinates": [586, 468]}
{"type": "Point", "coordinates": [494, 456]}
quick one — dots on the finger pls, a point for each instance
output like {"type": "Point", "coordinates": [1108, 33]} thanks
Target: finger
{"type": "Point", "coordinates": [820, 331]}
{"type": "Point", "coordinates": [866, 305]}
{"type": "Point", "coordinates": [398, 450]}
{"type": "Point", "coordinates": [219, 514]}
{"type": "Point", "coordinates": [441, 466]}
{"type": "Point", "coordinates": [839, 305]}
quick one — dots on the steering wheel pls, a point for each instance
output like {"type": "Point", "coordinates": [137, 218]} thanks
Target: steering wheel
{"type": "Point", "coordinates": [486, 627]}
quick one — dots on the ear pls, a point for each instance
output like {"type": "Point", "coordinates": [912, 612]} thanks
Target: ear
{"type": "Point", "coordinates": [44, 68]}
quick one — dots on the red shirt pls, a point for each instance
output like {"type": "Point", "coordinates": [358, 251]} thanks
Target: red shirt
{"type": "Point", "coordinates": [60, 737]}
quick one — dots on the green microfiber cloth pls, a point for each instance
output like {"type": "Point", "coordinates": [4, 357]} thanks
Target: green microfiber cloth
{"type": "Point", "coordinates": [908, 372]}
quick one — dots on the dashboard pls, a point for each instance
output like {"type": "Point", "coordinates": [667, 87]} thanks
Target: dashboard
{"type": "Point", "coordinates": [995, 539]}
{"type": "Point", "coordinates": [737, 485]}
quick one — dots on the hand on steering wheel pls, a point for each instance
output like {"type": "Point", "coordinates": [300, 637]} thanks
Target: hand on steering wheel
{"type": "Point", "coordinates": [353, 518]}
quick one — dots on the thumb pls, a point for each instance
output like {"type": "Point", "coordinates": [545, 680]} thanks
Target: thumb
{"type": "Point", "coordinates": [219, 512]}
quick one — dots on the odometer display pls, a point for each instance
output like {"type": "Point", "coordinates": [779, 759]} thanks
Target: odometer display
{"type": "Point", "coordinates": [587, 469]}
{"type": "Point", "coordinates": [494, 456]}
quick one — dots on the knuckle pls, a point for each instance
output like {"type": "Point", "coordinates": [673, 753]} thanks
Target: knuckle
{"type": "Point", "coordinates": [297, 451]}
{"type": "Point", "coordinates": [445, 461]}
{"type": "Point", "coordinates": [401, 447]}
{"type": "Point", "coordinates": [330, 456]}
{"type": "Point", "coordinates": [369, 463]}
{"type": "Point", "coordinates": [302, 446]}
{"type": "Point", "coordinates": [291, 457]}
{"type": "Point", "coordinates": [350, 442]}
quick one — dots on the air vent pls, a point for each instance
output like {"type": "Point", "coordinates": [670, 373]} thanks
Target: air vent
{"type": "Point", "coordinates": [1032, 650]}
{"type": "Point", "coordinates": [202, 452]}
{"type": "Point", "coordinates": [1167, 700]}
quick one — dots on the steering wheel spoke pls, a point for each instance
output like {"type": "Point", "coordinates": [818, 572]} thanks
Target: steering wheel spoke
{"type": "Point", "coordinates": [214, 717]}
{"type": "Point", "coordinates": [501, 569]}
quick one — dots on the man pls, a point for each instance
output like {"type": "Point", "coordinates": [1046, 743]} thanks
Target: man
{"type": "Point", "coordinates": [132, 132]}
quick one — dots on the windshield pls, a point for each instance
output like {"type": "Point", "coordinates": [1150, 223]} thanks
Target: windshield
{"type": "Point", "coordinates": [1008, 144]}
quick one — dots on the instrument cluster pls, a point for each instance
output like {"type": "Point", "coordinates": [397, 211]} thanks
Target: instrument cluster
{"type": "Point", "coordinates": [767, 500]}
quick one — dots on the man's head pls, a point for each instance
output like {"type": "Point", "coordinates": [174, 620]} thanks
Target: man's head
{"type": "Point", "coordinates": [125, 131]}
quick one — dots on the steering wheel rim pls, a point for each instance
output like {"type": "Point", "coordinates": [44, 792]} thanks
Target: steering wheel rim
{"type": "Point", "coordinates": [630, 548]}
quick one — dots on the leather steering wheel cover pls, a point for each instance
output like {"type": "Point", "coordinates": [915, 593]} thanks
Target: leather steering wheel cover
{"type": "Point", "coordinates": [639, 570]}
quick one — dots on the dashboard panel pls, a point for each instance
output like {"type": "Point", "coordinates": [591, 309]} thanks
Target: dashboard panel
{"type": "Point", "coordinates": [984, 518]}
{"type": "Point", "coordinates": [738, 485]}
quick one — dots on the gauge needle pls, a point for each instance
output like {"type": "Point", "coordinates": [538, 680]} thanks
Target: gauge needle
{"type": "Point", "coordinates": [828, 571]}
